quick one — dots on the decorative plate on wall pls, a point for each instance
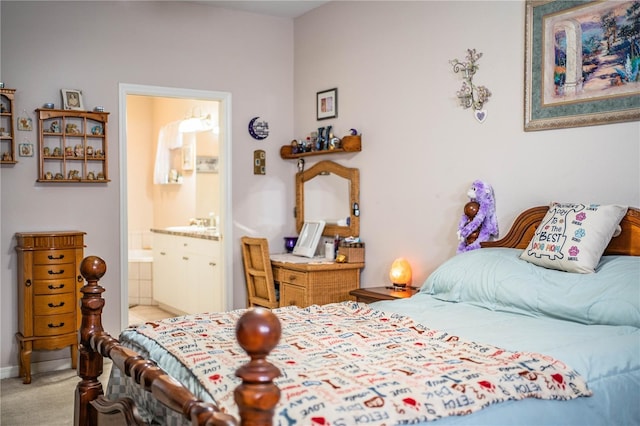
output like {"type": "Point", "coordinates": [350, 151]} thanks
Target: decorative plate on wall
{"type": "Point", "coordinates": [258, 129]}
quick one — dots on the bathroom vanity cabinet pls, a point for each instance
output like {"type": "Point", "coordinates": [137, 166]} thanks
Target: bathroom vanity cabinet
{"type": "Point", "coordinates": [186, 272]}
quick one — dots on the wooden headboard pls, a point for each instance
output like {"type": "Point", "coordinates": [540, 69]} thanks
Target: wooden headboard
{"type": "Point", "coordinates": [525, 225]}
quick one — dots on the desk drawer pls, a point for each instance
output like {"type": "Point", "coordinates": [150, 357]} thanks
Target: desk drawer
{"type": "Point", "coordinates": [49, 272]}
{"type": "Point", "coordinates": [293, 295]}
{"type": "Point", "coordinates": [62, 285]}
{"type": "Point", "coordinates": [56, 304]}
{"type": "Point", "coordinates": [51, 257]}
{"type": "Point", "coordinates": [52, 325]}
{"type": "Point", "coordinates": [293, 277]}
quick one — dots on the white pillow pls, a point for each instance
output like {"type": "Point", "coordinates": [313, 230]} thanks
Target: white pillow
{"type": "Point", "coordinates": [572, 237]}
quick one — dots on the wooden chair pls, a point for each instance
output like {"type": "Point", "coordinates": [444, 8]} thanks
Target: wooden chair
{"type": "Point", "coordinates": [261, 288]}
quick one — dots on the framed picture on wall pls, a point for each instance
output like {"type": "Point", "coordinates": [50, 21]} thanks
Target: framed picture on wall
{"type": "Point", "coordinates": [327, 104]}
{"type": "Point", "coordinates": [206, 164]}
{"type": "Point", "coordinates": [72, 99]}
{"type": "Point", "coordinates": [581, 63]}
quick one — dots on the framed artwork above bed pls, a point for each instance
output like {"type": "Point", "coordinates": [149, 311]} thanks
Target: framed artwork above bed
{"type": "Point", "coordinates": [582, 63]}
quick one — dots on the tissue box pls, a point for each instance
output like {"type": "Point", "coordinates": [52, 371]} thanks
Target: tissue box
{"type": "Point", "coordinates": [354, 252]}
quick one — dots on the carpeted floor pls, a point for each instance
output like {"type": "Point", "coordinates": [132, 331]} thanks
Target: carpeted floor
{"type": "Point", "coordinates": [54, 393]}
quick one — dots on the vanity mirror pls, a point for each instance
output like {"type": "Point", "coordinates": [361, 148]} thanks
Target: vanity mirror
{"type": "Point", "coordinates": [329, 192]}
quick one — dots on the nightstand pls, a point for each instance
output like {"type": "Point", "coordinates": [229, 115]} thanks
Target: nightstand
{"type": "Point", "coordinates": [375, 294]}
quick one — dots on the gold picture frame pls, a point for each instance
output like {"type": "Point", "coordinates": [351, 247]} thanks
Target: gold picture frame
{"type": "Point", "coordinates": [580, 68]}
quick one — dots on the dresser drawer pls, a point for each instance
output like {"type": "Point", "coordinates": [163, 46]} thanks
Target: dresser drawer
{"type": "Point", "coordinates": [62, 285]}
{"type": "Point", "coordinates": [55, 304]}
{"type": "Point", "coordinates": [52, 325]}
{"type": "Point", "coordinates": [293, 277]}
{"type": "Point", "coordinates": [48, 272]}
{"type": "Point", "coordinates": [50, 257]}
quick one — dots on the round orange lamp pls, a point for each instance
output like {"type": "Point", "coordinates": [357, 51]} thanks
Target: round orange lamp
{"type": "Point", "coordinates": [400, 273]}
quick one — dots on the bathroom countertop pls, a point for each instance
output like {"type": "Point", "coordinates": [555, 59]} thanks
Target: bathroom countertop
{"type": "Point", "coordinates": [203, 234]}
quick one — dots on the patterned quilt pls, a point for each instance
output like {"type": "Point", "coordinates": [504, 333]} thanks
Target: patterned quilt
{"type": "Point", "coordinates": [347, 364]}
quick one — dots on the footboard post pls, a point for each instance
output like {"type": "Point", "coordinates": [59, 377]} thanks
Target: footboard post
{"type": "Point", "coordinates": [258, 332]}
{"type": "Point", "coordinates": [89, 388]}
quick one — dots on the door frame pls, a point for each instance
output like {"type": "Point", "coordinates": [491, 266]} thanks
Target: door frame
{"type": "Point", "coordinates": [224, 98]}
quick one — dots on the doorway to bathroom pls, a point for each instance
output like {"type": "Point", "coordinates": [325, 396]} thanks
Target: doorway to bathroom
{"type": "Point", "coordinates": [162, 184]}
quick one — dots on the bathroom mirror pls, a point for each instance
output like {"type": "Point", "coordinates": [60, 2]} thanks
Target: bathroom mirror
{"type": "Point", "coordinates": [329, 192]}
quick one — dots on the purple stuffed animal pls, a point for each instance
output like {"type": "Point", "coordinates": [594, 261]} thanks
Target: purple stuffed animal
{"type": "Point", "coordinates": [484, 221]}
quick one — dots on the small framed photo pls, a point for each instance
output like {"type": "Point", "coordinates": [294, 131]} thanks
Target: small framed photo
{"type": "Point", "coordinates": [72, 99]}
{"type": "Point", "coordinates": [327, 104]}
{"type": "Point", "coordinates": [206, 164]}
{"type": "Point", "coordinates": [25, 123]}
{"type": "Point", "coordinates": [25, 149]}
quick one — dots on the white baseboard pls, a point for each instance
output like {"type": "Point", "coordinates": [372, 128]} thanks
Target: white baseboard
{"type": "Point", "coordinates": [36, 367]}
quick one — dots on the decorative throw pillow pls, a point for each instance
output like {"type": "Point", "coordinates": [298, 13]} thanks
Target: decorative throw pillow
{"type": "Point", "coordinates": [572, 237]}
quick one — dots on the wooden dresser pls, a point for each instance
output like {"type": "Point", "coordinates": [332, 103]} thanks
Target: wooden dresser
{"type": "Point", "coordinates": [304, 284]}
{"type": "Point", "coordinates": [49, 283]}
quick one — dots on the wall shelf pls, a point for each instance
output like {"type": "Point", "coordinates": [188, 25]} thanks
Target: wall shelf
{"type": "Point", "coordinates": [349, 144]}
{"type": "Point", "coordinates": [7, 136]}
{"type": "Point", "coordinates": [72, 146]}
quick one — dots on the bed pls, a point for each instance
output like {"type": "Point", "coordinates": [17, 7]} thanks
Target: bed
{"type": "Point", "coordinates": [490, 338]}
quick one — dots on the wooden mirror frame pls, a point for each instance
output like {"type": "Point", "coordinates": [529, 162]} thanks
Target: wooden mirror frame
{"type": "Point", "coordinates": [353, 176]}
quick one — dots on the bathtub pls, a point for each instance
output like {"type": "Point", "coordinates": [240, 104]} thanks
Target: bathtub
{"type": "Point", "coordinates": [140, 277]}
{"type": "Point", "coordinates": [140, 255]}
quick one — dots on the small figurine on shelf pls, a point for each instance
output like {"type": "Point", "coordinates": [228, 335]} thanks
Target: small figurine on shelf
{"type": "Point", "coordinates": [57, 152]}
{"type": "Point", "coordinates": [48, 176]}
{"type": "Point", "coordinates": [89, 151]}
{"type": "Point", "coordinates": [74, 174]}
{"type": "Point", "coordinates": [46, 151]}
{"type": "Point", "coordinates": [72, 129]}
{"type": "Point", "coordinates": [78, 151]}
{"type": "Point", "coordinates": [98, 153]}
{"type": "Point", "coordinates": [55, 127]}
{"type": "Point", "coordinates": [91, 176]}
{"type": "Point", "coordinates": [6, 156]}
{"type": "Point", "coordinates": [58, 176]}
{"type": "Point", "coordinates": [100, 176]}
{"type": "Point", "coordinates": [68, 151]}
{"type": "Point", "coordinates": [96, 130]}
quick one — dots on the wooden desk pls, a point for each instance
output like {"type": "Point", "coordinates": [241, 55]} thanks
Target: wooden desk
{"type": "Point", "coordinates": [304, 284]}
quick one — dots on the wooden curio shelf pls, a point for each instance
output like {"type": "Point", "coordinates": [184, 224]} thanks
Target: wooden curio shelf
{"type": "Point", "coordinates": [349, 144]}
{"type": "Point", "coordinates": [72, 146]}
{"type": "Point", "coordinates": [7, 135]}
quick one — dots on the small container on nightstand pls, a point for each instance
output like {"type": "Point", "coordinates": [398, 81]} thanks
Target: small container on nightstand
{"type": "Point", "coordinates": [376, 294]}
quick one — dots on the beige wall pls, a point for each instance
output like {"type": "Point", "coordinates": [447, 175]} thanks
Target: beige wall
{"type": "Point", "coordinates": [152, 205]}
{"type": "Point", "coordinates": [389, 61]}
{"type": "Point", "coordinates": [421, 152]}
{"type": "Point", "coordinates": [96, 46]}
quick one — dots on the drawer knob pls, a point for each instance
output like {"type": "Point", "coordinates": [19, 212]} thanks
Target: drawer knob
{"type": "Point", "coordinates": [56, 326]}
{"type": "Point", "coordinates": [79, 278]}
{"type": "Point", "coordinates": [52, 257]}
{"type": "Point", "coordinates": [52, 305]}
{"type": "Point", "coordinates": [292, 277]}
{"type": "Point", "coordinates": [61, 271]}
{"type": "Point", "coordinates": [53, 287]}
{"type": "Point", "coordinates": [27, 283]}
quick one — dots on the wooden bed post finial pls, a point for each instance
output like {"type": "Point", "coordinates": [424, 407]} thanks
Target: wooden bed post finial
{"type": "Point", "coordinates": [89, 388]}
{"type": "Point", "coordinates": [258, 332]}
